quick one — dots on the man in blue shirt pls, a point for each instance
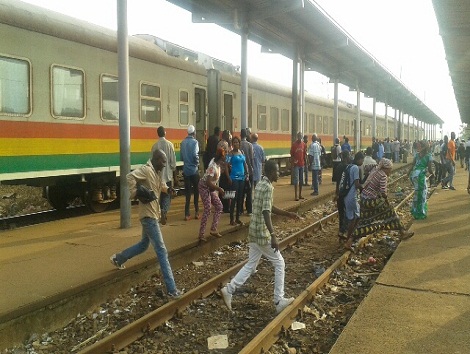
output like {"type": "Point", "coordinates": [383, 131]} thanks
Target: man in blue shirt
{"type": "Point", "coordinates": [189, 152]}
{"type": "Point", "coordinates": [258, 159]}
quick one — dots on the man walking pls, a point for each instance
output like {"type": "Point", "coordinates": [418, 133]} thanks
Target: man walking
{"type": "Point", "coordinates": [168, 172]}
{"type": "Point", "coordinates": [258, 159]}
{"type": "Point", "coordinates": [148, 176]}
{"type": "Point", "coordinates": [450, 164]}
{"type": "Point", "coordinates": [189, 152]}
{"type": "Point", "coordinates": [262, 240]}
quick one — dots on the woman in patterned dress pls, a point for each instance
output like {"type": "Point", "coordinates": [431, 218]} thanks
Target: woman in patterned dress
{"type": "Point", "coordinates": [422, 162]}
{"type": "Point", "coordinates": [209, 191]}
{"type": "Point", "coordinates": [375, 211]}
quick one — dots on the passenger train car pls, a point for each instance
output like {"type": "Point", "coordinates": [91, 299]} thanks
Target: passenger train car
{"type": "Point", "coordinates": [59, 104]}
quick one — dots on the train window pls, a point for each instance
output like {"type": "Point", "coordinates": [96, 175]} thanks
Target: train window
{"type": "Point", "coordinates": [325, 125]}
{"type": "Point", "coordinates": [150, 103]}
{"type": "Point", "coordinates": [68, 92]}
{"type": "Point", "coordinates": [109, 98]}
{"type": "Point", "coordinates": [274, 115]}
{"type": "Point", "coordinates": [311, 123]}
{"type": "Point", "coordinates": [285, 120]}
{"type": "Point", "coordinates": [15, 86]}
{"type": "Point", "coordinates": [184, 107]}
{"type": "Point", "coordinates": [319, 125]}
{"type": "Point", "coordinates": [261, 117]}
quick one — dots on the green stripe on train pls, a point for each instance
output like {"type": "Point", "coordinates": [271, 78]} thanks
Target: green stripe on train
{"type": "Point", "coordinates": [19, 164]}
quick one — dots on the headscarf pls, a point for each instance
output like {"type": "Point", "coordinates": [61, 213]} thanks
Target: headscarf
{"type": "Point", "coordinates": [384, 163]}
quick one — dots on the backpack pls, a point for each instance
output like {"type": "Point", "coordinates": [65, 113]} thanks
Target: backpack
{"type": "Point", "coordinates": [344, 183]}
{"type": "Point", "coordinates": [334, 152]}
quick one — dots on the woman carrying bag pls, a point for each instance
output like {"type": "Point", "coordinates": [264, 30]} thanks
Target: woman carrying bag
{"type": "Point", "coordinates": [209, 191]}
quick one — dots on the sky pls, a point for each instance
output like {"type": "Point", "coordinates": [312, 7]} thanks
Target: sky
{"type": "Point", "coordinates": [402, 34]}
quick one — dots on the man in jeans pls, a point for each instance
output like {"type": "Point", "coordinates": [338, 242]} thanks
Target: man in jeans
{"type": "Point", "coordinates": [149, 176]}
{"type": "Point", "coordinates": [189, 152]}
{"type": "Point", "coordinates": [262, 240]}
{"type": "Point", "coordinates": [314, 153]}
{"type": "Point", "coordinates": [450, 164]}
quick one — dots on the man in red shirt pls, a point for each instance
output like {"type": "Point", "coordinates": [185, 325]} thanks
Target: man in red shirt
{"type": "Point", "coordinates": [297, 154]}
{"type": "Point", "coordinates": [450, 164]}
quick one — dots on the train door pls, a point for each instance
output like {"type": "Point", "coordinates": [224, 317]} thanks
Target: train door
{"type": "Point", "coordinates": [228, 111]}
{"type": "Point", "coordinates": [200, 118]}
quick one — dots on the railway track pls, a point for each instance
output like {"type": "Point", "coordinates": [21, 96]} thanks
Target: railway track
{"type": "Point", "coordinates": [266, 337]}
{"type": "Point", "coordinates": [145, 271]}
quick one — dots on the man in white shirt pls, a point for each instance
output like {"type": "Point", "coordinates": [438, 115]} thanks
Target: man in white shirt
{"type": "Point", "coordinates": [168, 172]}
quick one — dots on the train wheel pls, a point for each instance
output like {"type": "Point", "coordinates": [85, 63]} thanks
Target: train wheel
{"type": "Point", "coordinates": [97, 207]}
{"type": "Point", "coordinates": [57, 197]}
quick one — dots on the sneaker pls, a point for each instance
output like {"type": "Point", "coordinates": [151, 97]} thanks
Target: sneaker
{"type": "Point", "coordinates": [452, 188]}
{"type": "Point", "coordinates": [227, 297]}
{"type": "Point", "coordinates": [283, 303]}
{"type": "Point", "coordinates": [314, 193]}
{"type": "Point", "coordinates": [175, 294]}
{"type": "Point", "coordinates": [114, 261]}
{"type": "Point", "coordinates": [444, 187]}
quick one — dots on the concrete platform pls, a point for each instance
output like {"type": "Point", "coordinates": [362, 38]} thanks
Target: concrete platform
{"type": "Point", "coordinates": [421, 301]}
{"type": "Point", "coordinates": [41, 263]}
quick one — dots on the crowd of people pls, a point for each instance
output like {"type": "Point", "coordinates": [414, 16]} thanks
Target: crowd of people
{"type": "Point", "coordinates": [361, 184]}
{"type": "Point", "coordinates": [233, 166]}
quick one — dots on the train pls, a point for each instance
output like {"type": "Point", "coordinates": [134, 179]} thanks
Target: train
{"type": "Point", "coordinates": [59, 109]}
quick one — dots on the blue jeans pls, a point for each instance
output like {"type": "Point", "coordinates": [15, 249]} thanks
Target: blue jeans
{"type": "Point", "coordinates": [450, 173]}
{"type": "Point", "coordinates": [151, 233]}
{"type": "Point", "coordinates": [315, 174]}
{"type": "Point", "coordinates": [239, 187]}
{"type": "Point", "coordinates": [165, 200]}
{"type": "Point", "coordinates": [191, 181]}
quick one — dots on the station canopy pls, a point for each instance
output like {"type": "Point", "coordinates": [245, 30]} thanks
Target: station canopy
{"type": "Point", "coordinates": [453, 17]}
{"type": "Point", "coordinates": [302, 28]}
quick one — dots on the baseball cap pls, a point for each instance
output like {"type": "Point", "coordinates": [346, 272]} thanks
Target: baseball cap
{"type": "Point", "coordinates": [191, 129]}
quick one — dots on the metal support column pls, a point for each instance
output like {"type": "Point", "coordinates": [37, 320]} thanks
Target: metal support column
{"type": "Point", "coordinates": [124, 112]}
{"type": "Point", "coordinates": [409, 128]}
{"type": "Point", "coordinates": [357, 131]}
{"type": "Point", "coordinates": [295, 93]}
{"type": "Point", "coordinates": [335, 112]}
{"type": "Point", "coordinates": [374, 117]}
{"type": "Point", "coordinates": [395, 125]}
{"type": "Point", "coordinates": [302, 119]}
{"type": "Point", "coordinates": [244, 78]}
{"type": "Point", "coordinates": [386, 121]}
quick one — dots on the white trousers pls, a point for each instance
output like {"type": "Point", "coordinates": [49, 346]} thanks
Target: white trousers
{"type": "Point", "coordinates": [254, 254]}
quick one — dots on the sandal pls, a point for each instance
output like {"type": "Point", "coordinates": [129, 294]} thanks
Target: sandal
{"type": "Point", "coordinates": [233, 223]}
{"type": "Point", "coordinates": [202, 240]}
{"type": "Point", "coordinates": [239, 222]}
{"type": "Point", "coordinates": [216, 234]}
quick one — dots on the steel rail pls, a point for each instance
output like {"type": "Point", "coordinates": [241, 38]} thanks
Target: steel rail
{"type": "Point", "coordinates": [278, 326]}
{"type": "Point", "coordinates": [137, 329]}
